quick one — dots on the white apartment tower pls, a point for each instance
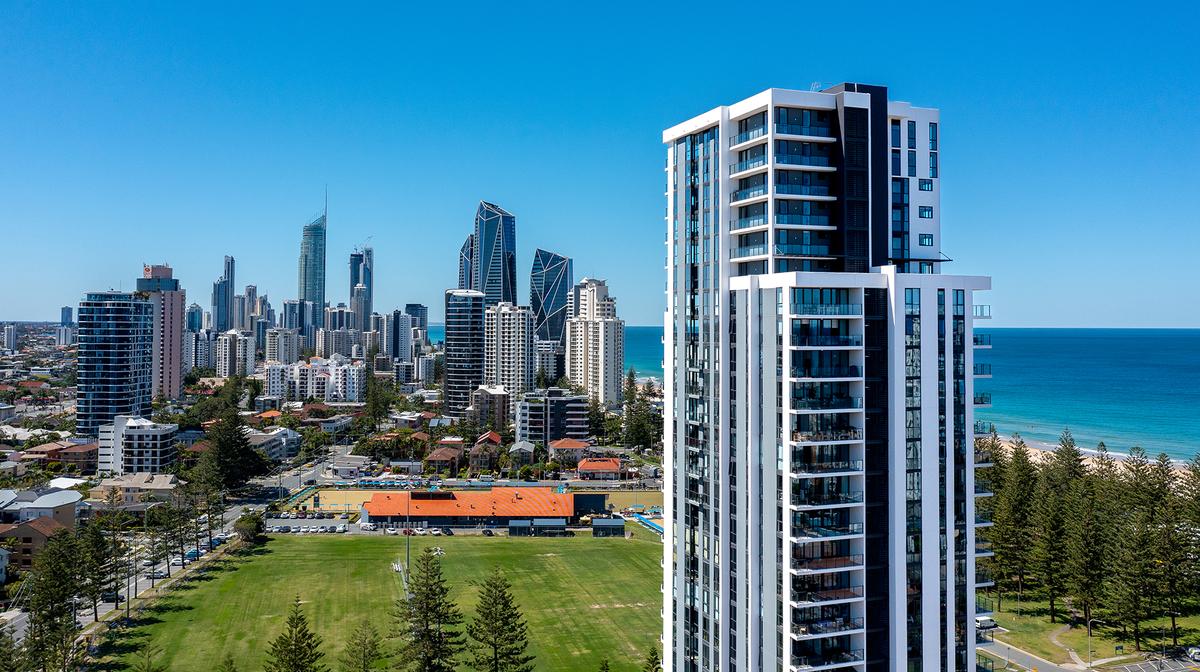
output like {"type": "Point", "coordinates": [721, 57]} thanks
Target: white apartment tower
{"type": "Point", "coordinates": [234, 354]}
{"type": "Point", "coordinates": [508, 350]}
{"type": "Point", "coordinates": [595, 354]}
{"type": "Point", "coordinates": [820, 489]}
{"type": "Point", "coordinates": [283, 345]}
{"type": "Point", "coordinates": [133, 445]}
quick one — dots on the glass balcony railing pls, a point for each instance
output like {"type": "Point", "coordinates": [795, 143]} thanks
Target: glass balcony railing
{"type": "Point", "coordinates": [981, 369]}
{"type": "Point", "coordinates": [802, 189]}
{"type": "Point", "coordinates": [748, 164]}
{"type": "Point", "coordinates": [983, 398]}
{"type": "Point", "coordinates": [747, 222]}
{"type": "Point", "coordinates": [748, 192]}
{"type": "Point", "coordinates": [982, 487]}
{"type": "Point", "coordinates": [826, 372]}
{"type": "Point", "coordinates": [827, 626]}
{"type": "Point", "coordinates": [981, 340]}
{"type": "Point", "coordinates": [983, 577]}
{"type": "Point", "coordinates": [816, 341]}
{"type": "Point", "coordinates": [827, 498]}
{"type": "Point", "coordinates": [984, 637]}
{"type": "Point", "coordinates": [843, 434]}
{"type": "Point", "coordinates": [983, 547]}
{"type": "Point", "coordinates": [983, 605]}
{"type": "Point", "coordinates": [981, 311]}
{"type": "Point", "coordinates": [984, 456]}
{"type": "Point", "coordinates": [826, 531]}
{"type": "Point", "coordinates": [831, 658]}
{"type": "Point", "coordinates": [984, 664]}
{"type": "Point", "coordinates": [826, 594]}
{"type": "Point", "coordinates": [802, 250]}
{"type": "Point", "coordinates": [827, 404]}
{"type": "Point", "coordinates": [803, 159]}
{"type": "Point", "coordinates": [802, 220]}
{"type": "Point", "coordinates": [982, 428]}
{"type": "Point", "coordinates": [748, 135]}
{"type": "Point", "coordinates": [827, 309]}
{"type": "Point", "coordinates": [982, 518]}
{"type": "Point", "coordinates": [823, 564]}
{"type": "Point", "coordinates": [826, 467]}
{"type": "Point", "coordinates": [748, 251]}
{"type": "Point", "coordinates": [814, 131]}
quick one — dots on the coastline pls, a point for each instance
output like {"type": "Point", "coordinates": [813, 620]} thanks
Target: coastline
{"type": "Point", "coordinates": [1040, 450]}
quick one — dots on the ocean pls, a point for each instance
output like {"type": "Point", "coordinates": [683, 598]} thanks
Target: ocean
{"type": "Point", "coordinates": [1126, 387]}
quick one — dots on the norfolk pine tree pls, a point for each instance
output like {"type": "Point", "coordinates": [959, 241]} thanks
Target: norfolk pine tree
{"type": "Point", "coordinates": [363, 650]}
{"type": "Point", "coordinates": [1089, 536]}
{"type": "Point", "coordinates": [428, 621]}
{"type": "Point", "coordinates": [1131, 585]}
{"type": "Point", "coordinates": [653, 661]}
{"type": "Point", "coordinates": [297, 648]}
{"type": "Point", "coordinates": [499, 630]}
{"type": "Point", "coordinates": [1012, 532]}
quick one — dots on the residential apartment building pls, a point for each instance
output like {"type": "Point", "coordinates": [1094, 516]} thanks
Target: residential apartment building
{"type": "Point", "coordinates": [820, 489]}
{"type": "Point", "coordinates": [551, 414]}
{"type": "Point", "coordinates": [464, 349]}
{"type": "Point", "coordinates": [330, 342]}
{"type": "Point", "coordinates": [167, 302]}
{"type": "Point", "coordinates": [64, 336]}
{"type": "Point", "coordinates": [508, 350]}
{"type": "Point", "coordinates": [115, 352]}
{"type": "Point", "coordinates": [283, 345]}
{"type": "Point", "coordinates": [234, 354]}
{"type": "Point", "coordinates": [550, 283]}
{"type": "Point", "coordinates": [494, 259]}
{"type": "Point", "coordinates": [333, 379]}
{"type": "Point", "coordinates": [133, 445]}
{"type": "Point", "coordinates": [10, 337]}
{"type": "Point", "coordinates": [199, 350]}
{"type": "Point", "coordinates": [222, 298]}
{"type": "Point", "coordinates": [595, 353]}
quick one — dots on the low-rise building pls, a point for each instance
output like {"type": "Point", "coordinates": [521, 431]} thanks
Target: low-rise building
{"type": "Point", "coordinates": [277, 443]}
{"type": "Point", "coordinates": [445, 459]}
{"type": "Point", "coordinates": [569, 451]}
{"type": "Point", "coordinates": [30, 538]}
{"type": "Point", "coordinates": [131, 445]}
{"type": "Point", "coordinates": [80, 458]}
{"type": "Point", "coordinates": [489, 406]}
{"type": "Point", "coordinates": [333, 379]}
{"type": "Point", "coordinates": [600, 469]}
{"type": "Point", "coordinates": [57, 503]}
{"type": "Point", "coordinates": [350, 466]}
{"type": "Point", "coordinates": [494, 507]}
{"type": "Point", "coordinates": [133, 488]}
{"type": "Point", "coordinates": [551, 414]}
{"type": "Point", "coordinates": [521, 453]}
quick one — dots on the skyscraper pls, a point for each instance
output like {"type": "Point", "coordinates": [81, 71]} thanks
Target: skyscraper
{"type": "Point", "coordinates": [549, 285]}
{"type": "Point", "coordinates": [595, 351]}
{"type": "Point", "coordinates": [466, 265]}
{"type": "Point", "coordinates": [300, 315]}
{"type": "Point", "coordinates": [494, 259]}
{"type": "Point", "coordinates": [362, 272]}
{"type": "Point", "coordinates": [67, 317]}
{"type": "Point", "coordinates": [358, 306]}
{"type": "Point", "coordinates": [818, 394]}
{"type": "Point", "coordinates": [464, 348]}
{"type": "Point", "coordinates": [222, 298]}
{"type": "Point", "coordinates": [508, 350]}
{"type": "Point", "coordinates": [398, 337]}
{"type": "Point", "coordinates": [312, 267]}
{"type": "Point", "coordinates": [235, 354]}
{"type": "Point", "coordinates": [420, 315]}
{"type": "Point", "coordinates": [116, 336]}
{"type": "Point", "coordinates": [10, 337]}
{"type": "Point", "coordinates": [194, 318]}
{"type": "Point", "coordinates": [166, 355]}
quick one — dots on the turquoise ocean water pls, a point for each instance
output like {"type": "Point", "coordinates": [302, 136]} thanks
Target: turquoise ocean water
{"type": "Point", "coordinates": [1125, 387]}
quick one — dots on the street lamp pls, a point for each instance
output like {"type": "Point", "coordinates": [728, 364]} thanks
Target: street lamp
{"type": "Point", "coordinates": [1089, 629]}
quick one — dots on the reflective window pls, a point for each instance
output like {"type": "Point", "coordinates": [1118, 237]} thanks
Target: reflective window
{"type": "Point", "coordinates": [932, 137]}
{"type": "Point", "coordinates": [912, 135]}
{"type": "Point", "coordinates": [925, 185]}
{"type": "Point", "coordinates": [912, 163]}
{"type": "Point", "coordinates": [926, 240]}
{"type": "Point", "coordinates": [895, 162]}
{"type": "Point", "coordinates": [895, 133]}
{"type": "Point", "coordinates": [925, 212]}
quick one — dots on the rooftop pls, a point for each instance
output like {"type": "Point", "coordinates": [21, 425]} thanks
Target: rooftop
{"type": "Point", "coordinates": [500, 503]}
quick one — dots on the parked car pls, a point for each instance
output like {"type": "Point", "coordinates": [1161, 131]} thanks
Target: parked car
{"type": "Point", "coordinates": [112, 596]}
{"type": "Point", "coordinates": [1193, 653]}
{"type": "Point", "coordinates": [158, 574]}
{"type": "Point", "coordinates": [147, 562]}
{"type": "Point", "coordinates": [391, 530]}
{"type": "Point", "coordinates": [342, 528]}
{"type": "Point", "coordinates": [421, 531]}
{"type": "Point", "coordinates": [984, 623]}
{"type": "Point", "coordinates": [488, 533]}
{"type": "Point", "coordinates": [448, 532]}
{"type": "Point", "coordinates": [435, 532]}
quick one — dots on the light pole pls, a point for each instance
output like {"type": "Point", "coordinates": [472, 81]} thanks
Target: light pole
{"type": "Point", "coordinates": [1090, 622]}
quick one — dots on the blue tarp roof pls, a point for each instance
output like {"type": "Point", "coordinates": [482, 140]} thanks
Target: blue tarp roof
{"type": "Point", "coordinates": [608, 522]}
{"type": "Point", "coordinates": [520, 523]}
{"type": "Point", "coordinates": [550, 522]}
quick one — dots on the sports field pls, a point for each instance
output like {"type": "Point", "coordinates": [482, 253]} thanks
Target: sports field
{"type": "Point", "coordinates": [584, 598]}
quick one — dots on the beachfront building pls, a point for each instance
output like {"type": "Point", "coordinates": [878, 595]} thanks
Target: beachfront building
{"type": "Point", "coordinates": [136, 445]}
{"type": "Point", "coordinates": [820, 489]}
{"type": "Point", "coordinates": [508, 350]}
{"type": "Point", "coordinates": [334, 379]}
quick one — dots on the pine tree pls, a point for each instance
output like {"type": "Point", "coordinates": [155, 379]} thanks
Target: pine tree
{"type": "Point", "coordinates": [653, 661]}
{"type": "Point", "coordinates": [147, 660]}
{"type": "Point", "coordinates": [1049, 557]}
{"type": "Point", "coordinates": [1012, 532]}
{"type": "Point", "coordinates": [1088, 543]}
{"type": "Point", "coordinates": [297, 648]}
{"type": "Point", "coordinates": [1131, 585]}
{"type": "Point", "coordinates": [364, 649]}
{"type": "Point", "coordinates": [499, 630]}
{"type": "Point", "coordinates": [1135, 480]}
{"type": "Point", "coordinates": [429, 619]}
{"type": "Point", "coordinates": [1190, 492]}
{"type": "Point", "coordinates": [10, 653]}
{"type": "Point", "coordinates": [95, 564]}
{"type": "Point", "coordinates": [604, 665]}
{"type": "Point", "coordinates": [228, 664]}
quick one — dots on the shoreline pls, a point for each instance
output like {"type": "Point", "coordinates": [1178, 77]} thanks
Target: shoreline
{"type": "Point", "coordinates": [1041, 449]}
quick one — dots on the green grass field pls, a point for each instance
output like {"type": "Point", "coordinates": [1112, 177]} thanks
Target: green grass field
{"type": "Point", "coordinates": [584, 598]}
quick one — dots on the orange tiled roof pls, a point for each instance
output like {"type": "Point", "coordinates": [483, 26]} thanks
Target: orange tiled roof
{"type": "Point", "coordinates": [489, 437]}
{"type": "Point", "coordinates": [420, 436]}
{"type": "Point", "coordinates": [267, 415]}
{"type": "Point", "coordinates": [599, 464]}
{"type": "Point", "coordinates": [498, 502]}
{"type": "Point", "coordinates": [47, 526]}
{"type": "Point", "coordinates": [569, 443]}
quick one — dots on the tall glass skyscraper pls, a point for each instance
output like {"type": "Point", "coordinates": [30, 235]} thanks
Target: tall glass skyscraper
{"type": "Point", "coordinates": [116, 336]}
{"type": "Point", "coordinates": [550, 283]}
{"type": "Point", "coordinates": [494, 260]}
{"type": "Point", "coordinates": [819, 393]}
{"type": "Point", "coordinates": [222, 298]}
{"type": "Point", "coordinates": [362, 272]}
{"type": "Point", "coordinates": [464, 348]}
{"type": "Point", "coordinates": [312, 267]}
{"type": "Point", "coordinates": [466, 267]}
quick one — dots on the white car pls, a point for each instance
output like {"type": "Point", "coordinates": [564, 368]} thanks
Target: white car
{"type": "Point", "coordinates": [436, 532]}
{"type": "Point", "coordinates": [341, 528]}
{"type": "Point", "coordinates": [421, 531]}
{"type": "Point", "coordinates": [391, 530]}
{"type": "Point", "coordinates": [178, 562]}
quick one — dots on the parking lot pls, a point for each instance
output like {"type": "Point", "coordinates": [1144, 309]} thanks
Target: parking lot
{"type": "Point", "coordinates": [1155, 665]}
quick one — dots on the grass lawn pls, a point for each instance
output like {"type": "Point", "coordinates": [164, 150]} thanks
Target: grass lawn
{"type": "Point", "coordinates": [623, 498]}
{"type": "Point", "coordinates": [584, 598]}
{"type": "Point", "coordinates": [1032, 631]}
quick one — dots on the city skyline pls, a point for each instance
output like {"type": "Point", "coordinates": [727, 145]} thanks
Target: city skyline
{"type": "Point", "coordinates": [130, 138]}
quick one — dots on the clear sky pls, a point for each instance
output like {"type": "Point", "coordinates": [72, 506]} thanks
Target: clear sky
{"type": "Point", "coordinates": [165, 132]}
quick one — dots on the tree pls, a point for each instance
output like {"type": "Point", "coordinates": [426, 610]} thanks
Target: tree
{"type": "Point", "coordinates": [364, 649]}
{"type": "Point", "coordinates": [50, 637]}
{"type": "Point", "coordinates": [604, 665]}
{"type": "Point", "coordinates": [542, 379]}
{"type": "Point", "coordinates": [1056, 493]}
{"type": "Point", "coordinates": [653, 661]}
{"type": "Point", "coordinates": [230, 460]}
{"type": "Point", "coordinates": [249, 527]}
{"type": "Point", "coordinates": [1012, 531]}
{"type": "Point", "coordinates": [499, 630]}
{"type": "Point", "coordinates": [228, 664]}
{"type": "Point", "coordinates": [95, 565]}
{"type": "Point", "coordinates": [1131, 585]}
{"type": "Point", "coordinates": [147, 660]}
{"type": "Point", "coordinates": [1089, 537]}
{"type": "Point", "coordinates": [297, 648]}
{"type": "Point", "coordinates": [10, 653]}
{"type": "Point", "coordinates": [429, 620]}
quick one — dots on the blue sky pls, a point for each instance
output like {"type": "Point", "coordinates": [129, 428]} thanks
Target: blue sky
{"type": "Point", "coordinates": [163, 132]}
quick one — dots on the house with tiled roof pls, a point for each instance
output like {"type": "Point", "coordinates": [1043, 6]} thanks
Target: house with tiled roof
{"type": "Point", "coordinates": [569, 451]}
{"type": "Point", "coordinates": [445, 458]}
{"type": "Point", "coordinates": [30, 538]}
{"type": "Point", "coordinates": [600, 469]}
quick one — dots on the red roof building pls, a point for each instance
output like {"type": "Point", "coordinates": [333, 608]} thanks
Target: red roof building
{"type": "Point", "coordinates": [458, 507]}
{"type": "Point", "coordinates": [600, 469]}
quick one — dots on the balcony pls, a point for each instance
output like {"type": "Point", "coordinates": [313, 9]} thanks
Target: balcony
{"type": "Point", "coordinates": [983, 548]}
{"type": "Point", "coordinates": [984, 637]}
{"type": "Point", "coordinates": [983, 488]}
{"type": "Point", "coordinates": [826, 532]}
{"type": "Point", "coordinates": [981, 311]}
{"type": "Point", "coordinates": [803, 160]}
{"type": "Point", "coordinates": [823, 499]}
{"type": "Point", "coordinates": [827, 309]}
{"type": "Point", "coordinates": [748, 193]}
{"type": "Point", "coordinates": [981, 520]}
{"type": "Point", "coordinates": [810, 131]}
{"type": "Point", "coordinates": [983, 428]}
{"type": "Point", "coordinates": [802, 189]}
{"type": "Point", "coordinates": [813, 565]}
{"type": "Point", "coordinates": [748, 164]}
{"type": "Point", "coordinates": [983, 399]}
{"type": "Point", "coordinates": [748, 136]}
{"type": "Point", "coordinates": [827, 341]}
{"type": "Point", "coordinates": [983, 664]}
{"type": "Point", "coordinates": [825, 626]}
{"type": "Point", "coordinates": [748, 251]}
{"type": "Point", "coordinates": [984, 458]}
{"type": "Point", "coordinates": [826, 595]}
{"type": "Point", "coordinates": [982, 605]}
{"type": "Point", "coordinates": [982, 370]}
{"type": "Point", "coordinates": [828, 435]}
{"type": "Point", "coordinates": [828, 660]}
{"type": "Point", "coordinates": [983, 578]}
{"type": "Point", "coordinates": [827, 404]}
{"type": "Point", "coordinates": [823, 372]}
{"type": "Point", "coordinates": [747, 222]}
{"type": "Point", "coordinates": [981, 340]}
{"type": "Point", "coordinates": [802, 250]}
{"type": "Point", "coordinates": [802, 220]}
{"type": "Point", "coordinates": [828, 467]}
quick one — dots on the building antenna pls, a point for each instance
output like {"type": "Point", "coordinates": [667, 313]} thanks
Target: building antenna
{"type": "Point", "coordinates": [326, 204]}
